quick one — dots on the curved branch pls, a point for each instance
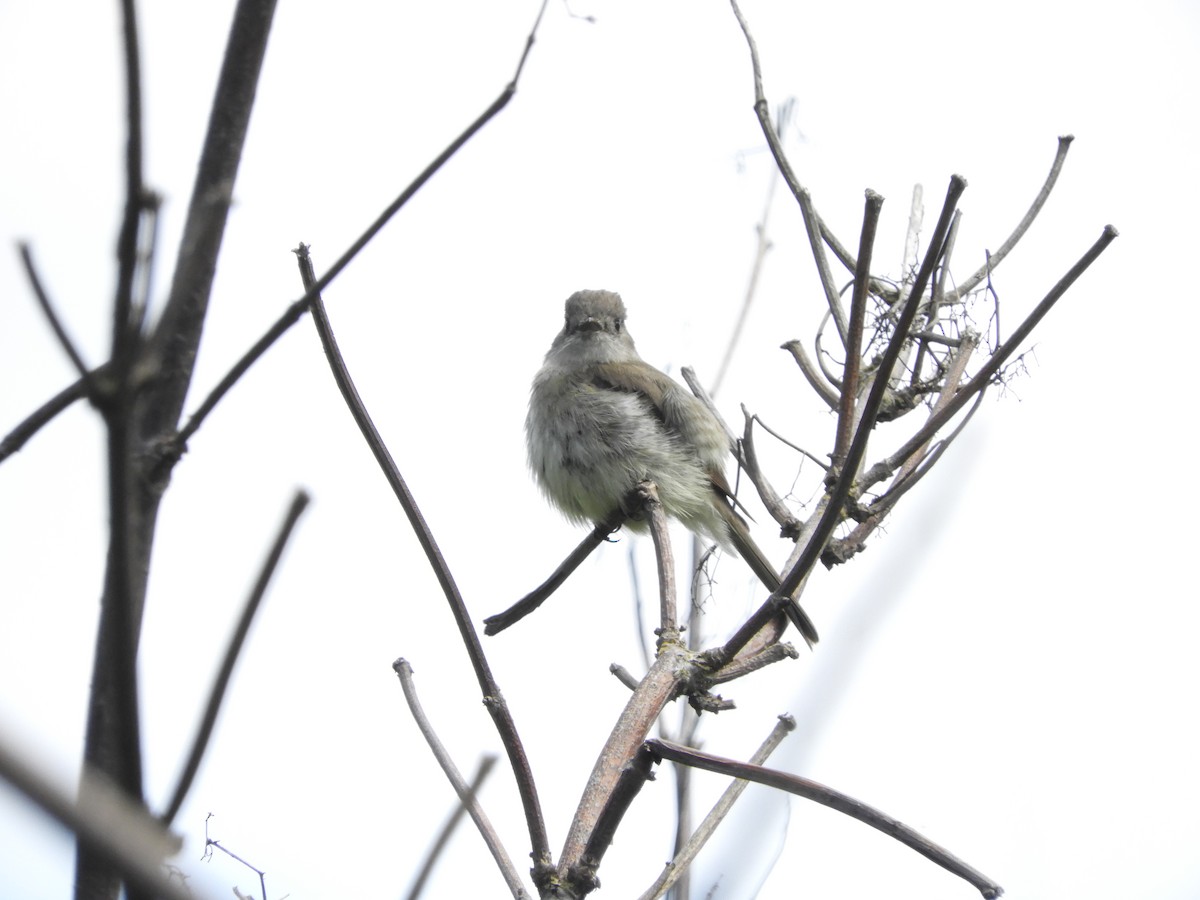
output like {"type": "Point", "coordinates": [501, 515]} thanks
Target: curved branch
{"type": "Point", "coordinates": [236, 641]}
{"type": "Point", "coordinates": [827, 796]}
{"type": "Point", "coordinates": [840, 491]}
{"type": "Point", "coordinates": [812, 222]}
{"type": "Point", "coordinates": [493, 698]}
{"type": "Point", "coordinates": [1060, 157]}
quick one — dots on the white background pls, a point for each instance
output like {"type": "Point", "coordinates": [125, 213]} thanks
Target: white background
{"type": "Point", "coordinates": [1009, 668]}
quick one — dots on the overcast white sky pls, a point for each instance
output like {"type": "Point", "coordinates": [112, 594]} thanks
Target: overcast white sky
{"type": "Point", "coordinates": [1009, 669]}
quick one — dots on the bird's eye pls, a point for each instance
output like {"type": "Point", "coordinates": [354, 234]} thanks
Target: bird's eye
{"type": "Point", "coordinates": [617, 325]}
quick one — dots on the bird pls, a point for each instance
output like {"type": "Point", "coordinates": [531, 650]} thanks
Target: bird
{"type": "Point", "coordinates": [601, 420]}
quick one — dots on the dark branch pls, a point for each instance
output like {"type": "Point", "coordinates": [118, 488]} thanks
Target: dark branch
{"type": "Point", "coordinates": [827, 796]}
{"type": "Point", "coordinates": [236, 641]}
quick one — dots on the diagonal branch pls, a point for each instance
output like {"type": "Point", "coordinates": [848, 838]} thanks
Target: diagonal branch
{"type": "Point", "coordinates": [301, 306]}
{"type": "Point", "coordinates": [840, 491]}
{"type": "Point", "coordinates": [60, 330]}
{"type": "Point", "coordinates": [1060, 157]}
{"type": "Point", "coordinates": [695, 843]}
{"type": "Point", "coordinates": [465, 793]}
{"type": "Point", "coordinates": [827, 796]}
{"type": "Point", "coordinates": [812, 222]}
{"type": "Point", "coordinates": [493, 698]}
{"type": "Point", "coordinates": [985, 375]}
{"type": "Point", "coordinates": [858, 315]}
{"type": "Point", "coordinates": [209, 720]}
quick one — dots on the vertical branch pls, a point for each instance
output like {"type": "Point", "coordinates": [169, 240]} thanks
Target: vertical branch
{"type": "Point", "coordinates": [112, 742]}
{"type": "Point", "coordinates": [812, 222]}
{"type": "Point", "coordinates": [668, 629]}
{"type": "Point", "coordinates": [177, 337]}
{"type": "Point", "coordinates": [840, 491]}
{"type": "Point", "coordinates": [113, 735]}
{"type": "Point", "coordinates": [1060, 157]}
{"type": "Point", "coordinates": [858, 314]}
{"type": "Point", "coordinates": [760, 254]}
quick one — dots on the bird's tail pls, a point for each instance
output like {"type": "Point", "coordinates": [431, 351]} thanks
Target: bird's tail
{"type": "Point", "coordinates": [739, 534]}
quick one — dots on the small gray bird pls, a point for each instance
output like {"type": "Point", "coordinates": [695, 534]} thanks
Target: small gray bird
{"type": "Point", "coordinates": [601, 420]}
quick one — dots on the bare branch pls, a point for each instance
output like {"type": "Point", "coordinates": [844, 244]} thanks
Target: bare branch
{"type": "Point", "coordinates": [841, 489]}
{"type": "Point", "coordinates": [535, 598]}
{"type": "Point", "coordinates": [997, 359]}
{"type": "Point", "coordinates": [659, 686]}
{"type": "Point", "coordinates": [486, 764]}
{"type": "Point", "coordinates": [493, 698]}
{"type": "Point", "coordinates": [678, 866]}
{"type": "Point", "coordinates": [827, 796]}
{"type": "Point", "coordinates": [466, 793]}
{"type": "Point", "coordinates": [581, 876]}
{"type": "Point", "coordinates": [301, 306]}
{"type": "Point", "coordinates": [812, 374]}
{"type": "Point", "coordinates": [173, 346]}
{"type": "Point", "coordinates": [42, 416]}
{"type": "Point", "coordinates": [789, 525]}
{"type": "Point", "coordinates": [858, 315]}
{"type": "Point", "coordinates": [236, 642]}
{"type": "Point", "coordinates": [668, 630]}
{"type": "Point", "coordinates": [60, 330]}
{"type": "Point", "coordinates": [762, 247]}
{"type": "Point", "coordinates": [812, 222]}
{"type": "Point", "coordinates": [1060, 157]}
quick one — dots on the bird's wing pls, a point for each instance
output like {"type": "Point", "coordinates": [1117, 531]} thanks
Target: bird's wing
{"type": "Point", "coordinates": [667, 400]}
{"type": "Point", "coordinates": [640, 378]}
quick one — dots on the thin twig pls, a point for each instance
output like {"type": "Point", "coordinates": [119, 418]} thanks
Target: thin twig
{"type": "Point", "coordinates": [60, 330]}
{"type": "Point", "coordinates": [985, 375]}
{"type": "Point", "coordinates": [812, 374]}
{"type": "Point", "coordinates": [858, 315]}
{"type": "Point", "coordinates": [870, 409]}
{"type": "Point", "coordinates": [789, 525]}
{"type": "Point", "coordinates": [937, 297]}
{"type": "Point", "coordinates": [762, 246]}
{"type": "Point", "coordinates": [209, 843]}
{"type": "Point", "coordinates": [812, 222]}
{"type": "Point", "coordinates": [827, 796]}
{"type": "Point", "coordinates": [912, 235]}
{"type": "Point", "coordinates": [951, 382]}
{"type": "Point", "coordinates": [236, 641]}
{"type": "Point", "coordinates": [1060, 157]}
{"type": "Point", "coordinates": [678, 867]}
{"type": "Point", "coordinates": [486, 764]}
{"type": "Point", "coordinates": [44, 414]}
{"type": "Point", "coordinates": [535, 598]}
{"type": "Point", "coordinates": [465, 794]}
{"type": "Point", "coordinates": [301, 306]}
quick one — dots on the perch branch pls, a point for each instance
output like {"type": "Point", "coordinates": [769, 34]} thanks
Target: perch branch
{"type": "Point", "coordinates": [535, 598]}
